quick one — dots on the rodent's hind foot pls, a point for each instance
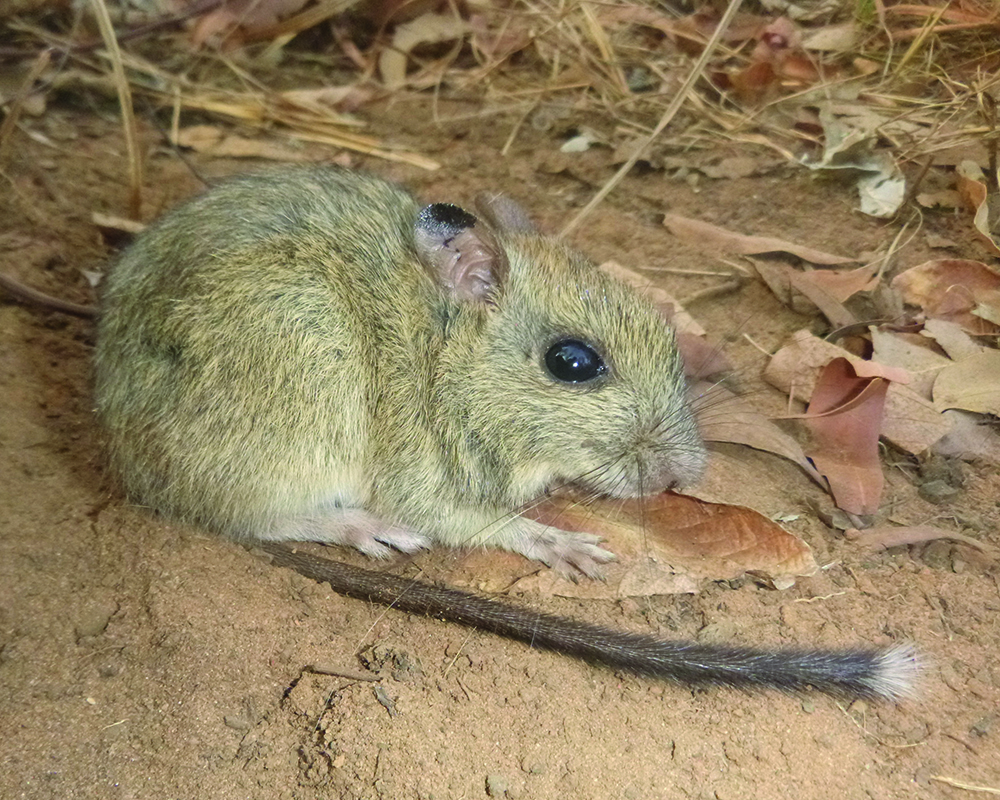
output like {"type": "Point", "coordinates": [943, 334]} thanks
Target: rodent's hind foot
{"type": "Point", "coordinates": [353, 528]}
{"type": "Point", "coordinates": [569, 554]}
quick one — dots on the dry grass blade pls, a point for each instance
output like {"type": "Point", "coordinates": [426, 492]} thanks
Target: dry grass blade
{"type": "Point", "coordinates": [14, 112]}
{"type": "Point", "coordinates": [125, 101]}
{"type": "Point", "coordinates": [696, 72]}
{"type": "Point", "coordinates": [969, 787]}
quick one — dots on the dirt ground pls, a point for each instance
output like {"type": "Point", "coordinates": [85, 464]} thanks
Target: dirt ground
{"type": "Point", "coordinates": [144, 659]}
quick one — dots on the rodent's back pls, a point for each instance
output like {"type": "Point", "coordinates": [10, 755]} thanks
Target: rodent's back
{"type": "Point", "coordinates": [231, 327]}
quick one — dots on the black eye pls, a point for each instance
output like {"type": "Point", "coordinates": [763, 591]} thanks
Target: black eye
{"type": "Point", "coordinates": [573, 361]}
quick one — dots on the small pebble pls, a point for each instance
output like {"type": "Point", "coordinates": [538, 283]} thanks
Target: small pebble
{"type": "Point", "coordinates": [983, 726]}
{"type": "Point", "coordinates": [496, 785]}
{"type": "Point", "coordinates": [533, 766]}
{"type": "Point", "coordinates": [937, 492]}
{"type": "Point", "coordinates": [238, 722]}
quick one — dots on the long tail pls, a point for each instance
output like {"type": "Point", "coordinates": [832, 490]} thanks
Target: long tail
{"type": "Point", "coordinates": [871, 674]}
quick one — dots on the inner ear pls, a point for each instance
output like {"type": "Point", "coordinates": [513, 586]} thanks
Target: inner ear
{"type": "Point", "coordinates": [504, 214]}
{"type": "Point", "coordinates": [459, 252]}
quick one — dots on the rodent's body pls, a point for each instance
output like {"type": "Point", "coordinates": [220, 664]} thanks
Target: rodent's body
{"type": "Point", "coordinates": [280, 359]}
{"type": "Point", "coordinates": [309, 355]}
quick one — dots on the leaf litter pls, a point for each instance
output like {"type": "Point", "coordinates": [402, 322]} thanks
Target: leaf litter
{"type": "Point", "coordinates": [808, 88]}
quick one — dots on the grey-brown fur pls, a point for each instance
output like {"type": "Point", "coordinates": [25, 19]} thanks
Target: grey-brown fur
{"type": "Point", "coordinates": [281, 358]}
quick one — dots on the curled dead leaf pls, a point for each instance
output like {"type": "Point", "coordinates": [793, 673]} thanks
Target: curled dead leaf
{"type": "Point", "coordinates": [704, 234]}
{"type": "Point", "coordinates": [845, 419]}
{"type": "Point", "coordinates": [953, 289]}
{"type": "Point", "coordinates": [972, 384]}
{"type": "Point", "coordinates": [972, 188]}
{"type": "Point", "coordinates": [667, 537]}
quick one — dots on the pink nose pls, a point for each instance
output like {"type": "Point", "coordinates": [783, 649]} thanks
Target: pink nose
{"type": "Point", "coordinates": [682, 469]}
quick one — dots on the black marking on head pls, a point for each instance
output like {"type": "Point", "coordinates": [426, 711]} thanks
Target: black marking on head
{"type": "Point", "coordinates": [444, 220]}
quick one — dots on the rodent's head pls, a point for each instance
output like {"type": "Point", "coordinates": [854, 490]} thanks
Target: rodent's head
{"type": "Point", "coordinates": [569, 376]}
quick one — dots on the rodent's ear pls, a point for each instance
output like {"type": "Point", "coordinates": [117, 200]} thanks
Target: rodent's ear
{"type": "Point", "coordinates": [504, 214]}
{"type": "Point", "coordinates": [460, 254]}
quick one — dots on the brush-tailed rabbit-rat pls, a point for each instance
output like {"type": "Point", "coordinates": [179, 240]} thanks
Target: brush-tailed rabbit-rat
{"type": "Point", "coordinates": [309, 355]}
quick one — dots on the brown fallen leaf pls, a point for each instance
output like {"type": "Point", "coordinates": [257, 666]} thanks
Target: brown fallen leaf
{"type": "Point", "coordinates": [951, 338]}
{"type": "Point", "coordinates": [885, 536]}
{"type": "Point", "coordinates": [726, 417]}
{"type": "Point", "coordinates": [920, 361]}
{"type": "Point", "coordinates": [972, 437]}
{"type": "Point", "coordinates": [944, 198]}
{"type": "Point", "coordinates": [662, 299]}
{"type": "Point", "coordinates": [704, 234]}
{"type": "Point", "coordinates": [777, 276]}
{"type": "Point", "coordinates": [972, 384]}
{"type": "Point", "coordinates": [842, 284]}
{"type": "Point", "coordinates": [911, 422]}
{"type": "Point", "coordinates": [425, 29]}
{"type": "Point", "coordinates": [845, 418]}
{"type": "Point", "coordinates": [829, 306]}
{"type": "Point", "coordinates": [672, 540]}
{"type": "Point", "coordinates": [243, 18]}
{"type": "Point", "coordinates": [971, 185]}
{"type": "Point", "coordinates": [952, 289]}
{"type": "Point", "coordinates": [796, 366]}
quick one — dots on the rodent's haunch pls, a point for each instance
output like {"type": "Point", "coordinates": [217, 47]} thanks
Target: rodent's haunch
{"type": "Point", "coordinates": [309, 355]}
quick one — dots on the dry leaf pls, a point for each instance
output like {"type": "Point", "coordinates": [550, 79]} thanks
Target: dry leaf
{"type": "Point", "coordinates": [661, 539]}
{"type": "Point", "coordinates": [885, 536]}
{"type": "Point", "coordinates": [704, 234]}
{"type": "Point", "coordinates": [944, 198]}
{"type": "Point", "coordinates": [426, 29]}
{"type": "Point", "coordinates": [952, 289]}
{"type": "Point", "coordinates": [829, 306]}
{"type": "Point", "coordinates": [972, 436]}
{"type": "Point", "coordinates": [972, 384]}
{"type": "Point", "coordinates": [243, 16]}
{"type": "Point", "coordinates": [778, 279]}
{"type": "Point", "coordinates": [921, 362]}
{"type": "Point", "coordinates": [911, 422]}
{"type": "Point", "coordinates": [972, 188]}
{"type": "Point", "coordinates": [829, 289]}
{"type": "Point", "coordinates": [845, 418]}
{"type": "Point", "coordinates": [951, 338]}
{"type": "Point", "coordinates": [796, 366]}
{"type": "Point", "coordinates": [833, 38]}
{"type": "Point", "coordinates": [726, 417]}
{"type": "Point", "coordinates": [842, 284]}
{"type": "Point", "coordinates": [732, 167]}
{"type": "Point", "coordinates": [851, 133]}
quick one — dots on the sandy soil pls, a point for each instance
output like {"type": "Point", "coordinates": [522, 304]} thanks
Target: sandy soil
{"type": "Point", "coordinates": [143, 659]}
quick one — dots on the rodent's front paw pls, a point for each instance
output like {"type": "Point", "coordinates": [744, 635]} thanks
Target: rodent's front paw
{"type": "Point", "coordinates": [569, 554]}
